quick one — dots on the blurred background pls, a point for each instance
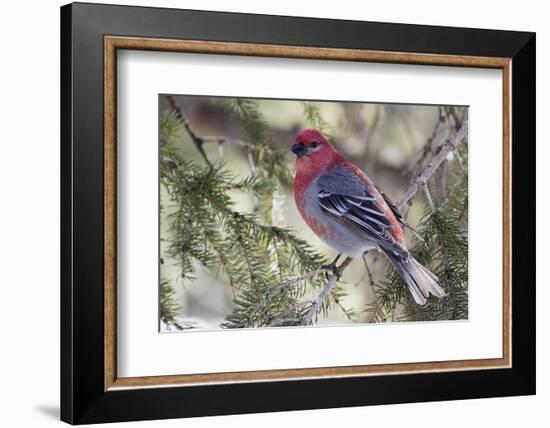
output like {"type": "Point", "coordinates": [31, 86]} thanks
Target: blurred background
{"type": "Point", "coordinates": [390, 142]}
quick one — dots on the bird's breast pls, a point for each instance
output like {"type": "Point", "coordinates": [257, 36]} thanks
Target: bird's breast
{"type": "Point", "coordinates": [331, 231]}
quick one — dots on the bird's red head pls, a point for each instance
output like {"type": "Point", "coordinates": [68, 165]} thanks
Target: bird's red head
{"type": "Point", "coordinates": [312, 146]}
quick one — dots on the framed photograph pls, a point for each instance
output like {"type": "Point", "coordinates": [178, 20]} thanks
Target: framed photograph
{"type": "Point", "coordinates": [265, 213]}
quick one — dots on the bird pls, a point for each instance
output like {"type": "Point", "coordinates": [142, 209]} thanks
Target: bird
{"type": "Point", "coordinates": [344, 208]}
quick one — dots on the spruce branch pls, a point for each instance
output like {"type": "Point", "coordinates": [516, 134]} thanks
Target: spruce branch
{"type": "Point", "coordinates": [222, 139]}
{"type": "Point", "coordinates": [451, 111]}
{"type": "Point", "coordinates": [310, 313]}
{"type": "Point", "coordinates": [314, 119]}
{"type": "Point", "coordinates": [443, 250]}
{"type": "Point", "coordinates": [450, 145]}
{"type": "Point", "coordinates": [168, 307]}
{"type": "Point", "coordinates": [291, 282]}
{"type": "Point", "coordinates": [197, 140]}
{"type": "Point", "coordinates": [428, 146]}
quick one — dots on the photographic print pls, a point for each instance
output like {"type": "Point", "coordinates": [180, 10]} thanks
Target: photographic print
{"type": "Point", "coordinates": [281, 213]}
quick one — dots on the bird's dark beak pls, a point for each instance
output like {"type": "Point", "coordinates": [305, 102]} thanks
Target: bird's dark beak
{"type": "Point", "coordinates": [299, 149]}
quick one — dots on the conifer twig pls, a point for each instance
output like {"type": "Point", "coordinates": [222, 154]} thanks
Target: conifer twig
{"type": "Point", "coordinates": [310, 313]}
{"type": "Point", "coordinates": [221, 139]}
{"type": "Point", "coordinates": [367, 269]}
{"type": "Point", "coordinates": [422, 183]}
{"type": "Point", "coordinates": [197, 140]}
{"type": "Point", "coordinates": [450, 145]}
{"type": "Point", "coordinates": [292, 281]}
{"type": "Point", "coordinates": [428, 149]}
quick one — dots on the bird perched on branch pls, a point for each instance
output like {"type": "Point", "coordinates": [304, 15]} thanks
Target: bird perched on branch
{"type": "Point", "coordinates": [346, 210]}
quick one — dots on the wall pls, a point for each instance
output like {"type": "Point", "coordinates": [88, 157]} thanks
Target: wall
{"type": "Point", "coordinates": [29, 230]}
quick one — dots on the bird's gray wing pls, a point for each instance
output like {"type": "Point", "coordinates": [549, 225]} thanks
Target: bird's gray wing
{"type": "Point", "coordinates": [347, 199]}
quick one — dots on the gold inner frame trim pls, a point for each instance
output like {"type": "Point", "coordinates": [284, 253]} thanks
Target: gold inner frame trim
{"type": "Point", "coordinates": [113, 43]}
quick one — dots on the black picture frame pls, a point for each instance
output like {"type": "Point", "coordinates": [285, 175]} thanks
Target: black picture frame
{"type": "Point", "coordinates": [83, 398]}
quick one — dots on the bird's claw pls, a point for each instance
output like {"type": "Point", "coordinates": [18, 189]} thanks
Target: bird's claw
{"type": "Point", "coordinates": [336, 271]}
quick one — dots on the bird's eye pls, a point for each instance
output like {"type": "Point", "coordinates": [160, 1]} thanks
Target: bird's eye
{"type": "Point", "coordinates": [314, 144]}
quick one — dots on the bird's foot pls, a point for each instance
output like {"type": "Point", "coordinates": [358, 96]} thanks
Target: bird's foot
{"type": "Point", "coordinates": [334, 269]}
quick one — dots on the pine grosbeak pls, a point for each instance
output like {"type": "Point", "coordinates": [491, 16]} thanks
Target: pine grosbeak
{"type": "Point", "coordinates": [346, 210]}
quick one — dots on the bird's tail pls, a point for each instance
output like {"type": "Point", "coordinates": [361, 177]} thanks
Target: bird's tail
{"type": "Point", "coordinates": [420, 281]}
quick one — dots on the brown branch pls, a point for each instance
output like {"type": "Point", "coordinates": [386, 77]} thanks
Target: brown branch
{"type": "Point", "coordinates": [428, 149]}
{"type": "Point", "coordinates": [310, 313]}
{"type": "Point", "coordinates": [249, 148]}
{"type": "Point", "coordinates": [291, 282]}
{"type": "Point", "coordinates": [350, 314]}
{"type": "Point", "coordinates": [316, 304]}
{"type": "Point", "coordinates": [451, 111]}
{"type": "Point", "coordinates": [422, 184]}
{"type": "Point", "coordinates": [450, 145]}
{"type": "Point", "coordinates": [198, 141]}
{"type": "Point", "coordinates": [367, 269]}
